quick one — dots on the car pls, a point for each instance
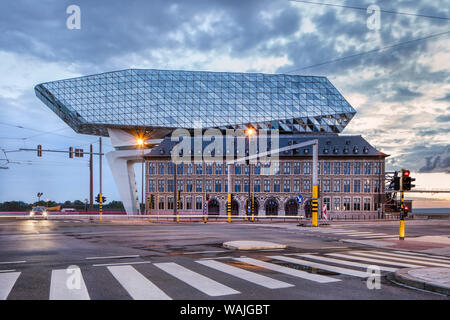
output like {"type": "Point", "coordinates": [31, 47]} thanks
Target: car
{"type": "Point", "coordinates": [39, 211]}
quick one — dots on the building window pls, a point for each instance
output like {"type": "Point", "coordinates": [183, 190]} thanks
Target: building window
{"type": "Point", "coordinates": [180, 185]}
{"type": "Point", "coordinates": [237, 169]}
{"type": "Point", "coordinates": [296, 185]}
{"type": "Point", "coordinates": [170, 168]}
{"type": "Point", "coordinates": [266, 185]}
{"type": "Point", "coordinates": [326, 186]}
{"type": "Point", "coordinates": [218, 186]}
{"type": "Point", "coordinates": [337, 168]}
{"type": "Point", "coordinates": [188, 203]}
{"type": "Point", "coordinates": [357, 168]}
{"type": "Point", "coordinates": [170, 185]}
{"type": "Point", "coordinates": [377, 168]}
{"type": "Point", "coordinates": [198, 203]}
{"type": "Point", "coordinates": [306, 185]}
{"type": "Point", "coordinates": [307, 168]}
{"type": "Point", "coordinates": [327, 202]}
{"type": "Point", "coordinates": [337, 204]}
{"type": "Point", "coordinates": [346, 185]}
{"type": "Point", "coordinates": [326, 168]}
{"type": "Point", "coordinates": [151, 185]}
{"type": "Point", "coordinates": [161, 203]}
{"type": "Point", "coordinates": [208, 168]}
{"type": "Point", "coordinates": [151, 168]}
{"type": "Point", "coordinates": [376, 186]}
{"type": "Point", "coordinates": [318, 167]}
{"type": "Point", "coordinates": [218, 167]}
{"type": "Point", "coordinates": [180, 203]}
{"type": "Point", "coordinates": [199, 168]}
{"type": "Point", "coordinates": [356, 185]}
{"type": "Point", "coordinates": [198, 185]}
{"type": "Point", "coordinates": [208, 185]}
{"type": "Point", "coordinates": [257, 186]}
{"type": "Point", "coordinates": [170, 203]}
{"type": "Point", "coordinates": [346, 204]}
{"type": "Point", "coordinates": [160, 185]}
{"type": "Point", "coordinates": [180, 169]}
{"type": "Point", "coordinates": [245, 185]}
{"type": "Point", "coordinates": [336, 185]}
{"type": "Point", "coordinates": [189, 168]}
{"type": "Point", "coordinates": [356, 204]}
{"type": "Point", "coordinates": [296, 167]}
{"type": "Point", "coordinates": [237, 185]}
{"type": "Point", "coordinates": [257, 168]}
{"type": "Point", "coordinates": [226, 185]}
{"type": "Point", "coordinates": [160, 168]}
{"type": "Point", "coordinates": [366, 204]}
{"type": "Point", "coordinates": [276, 186]}
{"type": "Point", "coordinates": [346, 167]}
{"type": "Point", "coordinates": [188, 185]}
{"type": "Point", "coordinates": [287, 168]}
{"type": "Point", "coordinates": [367, 168]}
{"type": "Point", "coordinates": [287, 185]}
{"type": "Point", "coordinates": [367, 185]}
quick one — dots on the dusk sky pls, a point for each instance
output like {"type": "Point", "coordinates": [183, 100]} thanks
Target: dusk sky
{"type": "Point", "coordinates": [401, 93]}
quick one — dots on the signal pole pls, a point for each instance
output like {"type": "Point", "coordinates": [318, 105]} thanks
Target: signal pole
{"type": "Point", "coordinates": [91, 180]}
{"type": "Point", "coordinates": [402, 206]}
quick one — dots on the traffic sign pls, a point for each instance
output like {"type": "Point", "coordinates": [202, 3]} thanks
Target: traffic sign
{"type": "Point", "coordinates": [299, 199]}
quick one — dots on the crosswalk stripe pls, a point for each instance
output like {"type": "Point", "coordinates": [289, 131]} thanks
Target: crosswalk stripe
{"type": "Point", "coordinates": [7, 281]}
{"type": "Point", "coordinates": [383, 256]}
{"type": "Point", "coordinates": [138, 286]}
{"type": "Point", "coordinates": [246, 275]}
{"type": "Point", "coordinates": [340, 270]}
{"type": "Point", "coordinates": [344, 262]}
{"type": "Point", "coordinates": [289, 271]}
{"type": "Point", "coordinates": [66, 285]}
{"type": "Point", "coordinates": [394, 256]}
{"type": "Point", "coordinates": [198, 281]}
{"type": "Point", "coordinates": [379, 237]}
{"type": "Point", "coordinates": [423, 255]}
{"type": "Point", "coordinates": [382, 261]}
{"type": "Point", "coordinates": [368, 235]}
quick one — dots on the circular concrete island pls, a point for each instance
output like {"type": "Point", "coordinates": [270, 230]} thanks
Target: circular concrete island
{"type": "Point", "coordinates": [252, 245]}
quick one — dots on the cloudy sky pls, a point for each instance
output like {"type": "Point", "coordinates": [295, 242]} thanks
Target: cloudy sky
{"type": "Point", "coordinates": [401, 93]}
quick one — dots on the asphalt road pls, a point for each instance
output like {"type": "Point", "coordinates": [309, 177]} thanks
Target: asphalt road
{"type": "Point", "coordinates": [187, 261]}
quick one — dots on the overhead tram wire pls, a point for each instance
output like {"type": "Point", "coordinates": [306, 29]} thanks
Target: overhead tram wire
{"type": "Point", "coordinates": [364, 9]}
{"type": "Point", "coordinates": [371, 51]}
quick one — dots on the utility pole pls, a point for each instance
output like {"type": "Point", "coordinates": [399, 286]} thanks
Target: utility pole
{"type": "Point", "coordinates": [315, 186]}
{"type": "Point", "coordinates": [142, 182]}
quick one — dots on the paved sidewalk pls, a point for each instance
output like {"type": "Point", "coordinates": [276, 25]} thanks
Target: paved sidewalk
{"type": "Point", "coordinates": [430, 279]}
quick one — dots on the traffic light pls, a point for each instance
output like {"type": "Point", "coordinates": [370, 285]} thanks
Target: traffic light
{"type": "Point", "coordinates": [152, 199]}
{"type": "Point", "coordinates": [103, 199]}
{"type": "Point", "coordinates": [395, 183]}
{"type": "Point", "coordinates": [406, 180]}
{"type": "Point", "coordinates": [97, 198]}
{"type": "Point", "coordinates": [39, 150]}
{"type": "Point", "coordinates": [405, 210]}
{"type": "Point", "coordinates": [207, 197]}
{"type": "Point", "coordinates": [70, 152]}
{"type": "Point", "coordinates": [79, 153]}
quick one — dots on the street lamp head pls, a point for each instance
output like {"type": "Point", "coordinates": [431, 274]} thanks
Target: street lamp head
{"type": "Point", "coordinates": [250, 131]}
{"type": "Point", "coordinates": [140, 142]}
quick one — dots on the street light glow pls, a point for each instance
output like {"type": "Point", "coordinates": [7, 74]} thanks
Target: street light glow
{"type": "Point", "coordinates": [140, 142]}
{"type": "Point", "coordinates": [250, 131]}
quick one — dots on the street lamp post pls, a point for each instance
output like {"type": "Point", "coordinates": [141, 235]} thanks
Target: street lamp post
{"type": "Point", "coordinates": [140, 143]}
{"type": "Point", "coordinates": [249, 132]}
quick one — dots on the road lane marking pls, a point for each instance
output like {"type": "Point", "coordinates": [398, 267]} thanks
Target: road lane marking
{"type": "Point", "coordinates": [344, 262]}
{"type": "Point", "coordinates": [379, 237]}
{"type": "Point", "coordinates": [61, 282]}
{"type": "Point", "coordinates": [246, 275]}
{"type": "Point", "coordinates": [137, 286]}
{"type": "Point", "coordinates": [12, 262]}
{"type": "Point", "coordinates": [382, 261]}
{"type": "Point", "coordinates": [7, 281]}
{"type": "Point", "coordinates": [113, 257]}
{"type": "Point", "coordinates": [12, 270]}
{"type": "Point", "coordinates": [326, 267]}
{"type": "Point", "coordinates": [119, 263]}
{"type": "Point", "coordinates": [196, 252]}
{"type": "Point", "coordinates": [394, 256]}
{"type": "Point", "coordinates": [289, 271]}
{"type": "Point", "coordinates": [196, 280]}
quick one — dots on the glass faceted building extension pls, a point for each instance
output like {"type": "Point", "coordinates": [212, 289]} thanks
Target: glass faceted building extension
{"type": "Point", "coordinates": [167, 99]}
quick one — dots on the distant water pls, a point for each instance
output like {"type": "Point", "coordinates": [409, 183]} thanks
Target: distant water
{"type": "Point", "coordinates": [431, 210]}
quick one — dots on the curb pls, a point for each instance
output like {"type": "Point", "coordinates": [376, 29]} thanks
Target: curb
{"type": "Point", "coordinates": [402, 276]}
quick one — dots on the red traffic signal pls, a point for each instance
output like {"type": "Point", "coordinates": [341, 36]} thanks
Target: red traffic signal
{"type": "Point", "coordinates": [406, 209]}
{"type": "Point", "coordinates": [406, 173]}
